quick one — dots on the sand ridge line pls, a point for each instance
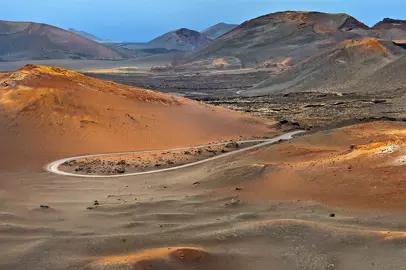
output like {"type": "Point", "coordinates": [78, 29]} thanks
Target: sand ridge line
{"type": "Point", "coordinates": [53, 167]}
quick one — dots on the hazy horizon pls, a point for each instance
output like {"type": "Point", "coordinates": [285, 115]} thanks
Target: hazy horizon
{"type": "Point", "coordinates": [143, 20]}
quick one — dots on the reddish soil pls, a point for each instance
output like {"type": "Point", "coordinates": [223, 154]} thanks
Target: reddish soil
{"type": "Point", "coordinates": [49, 113]}
{"type": "Point", "coordinates": [359, 166]}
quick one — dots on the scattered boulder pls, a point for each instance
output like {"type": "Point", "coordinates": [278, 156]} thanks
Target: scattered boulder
{"type": "Point", "coordinates": [332, 215]}
{"type": "Point", "coordinates": [352, 146]}
{"type": "Point", "coordinates": [119, 170]}
{"type": "Point", "coordinates": [232, 145]}
{"type": "Point", "coordinates": [122, 162]}
{"type": "Point", "coordinates": [79, 169]}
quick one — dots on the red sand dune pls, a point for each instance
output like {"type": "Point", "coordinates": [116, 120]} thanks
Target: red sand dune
{"type": "Point", "coordinates": [360, 166]}
{"type": "Point", "coordinates": [47, 113]}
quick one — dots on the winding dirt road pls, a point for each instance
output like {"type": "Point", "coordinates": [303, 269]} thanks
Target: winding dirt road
{"type": "Point", "coordinates": [53, 167]}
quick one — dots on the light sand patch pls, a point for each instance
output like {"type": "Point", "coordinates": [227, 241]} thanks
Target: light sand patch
{"type": "Point", "coordinates": [384, 235]}
{"type": "Point", "coordinates": [157, 257]}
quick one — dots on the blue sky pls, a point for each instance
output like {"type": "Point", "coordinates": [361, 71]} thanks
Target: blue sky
{"type": "Point", "coordinates": [143, 20]}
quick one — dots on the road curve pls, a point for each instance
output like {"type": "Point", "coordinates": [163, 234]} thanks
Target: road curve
{"type": "Point", "coordinates": [53, 167]}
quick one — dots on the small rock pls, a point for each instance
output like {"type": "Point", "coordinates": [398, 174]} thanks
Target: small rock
{"type": "Point", "coordinates": [352, 146]}
{"type": "Point", "coordinates": [233, 202]}
{"type": "Point", "coordinates": [332, 215]}
{"type": "Point", "coordinates": [120, 170]}
{"type": "Point", "coordinates": [232, 145]}
{"type": "Point", "coordinates": [96, 203]}
{"type": "Point", "coordinates": [238, 189]}
{"type": "Point", "coordinates": [44, 206]}
{"type": "Point", "coordinates": [196, 183]}
{"type": "Point", "coordinates": [122, 162]}
{"type": "Point", "coordinates": [90, 208]}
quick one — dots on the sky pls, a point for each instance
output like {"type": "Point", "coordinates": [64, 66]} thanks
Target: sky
{"type": "Point", "coordinates": [143, 20]}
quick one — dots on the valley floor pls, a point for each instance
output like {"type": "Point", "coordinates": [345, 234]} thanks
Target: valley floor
{"type": "Point", "coordinates": [325, 200]}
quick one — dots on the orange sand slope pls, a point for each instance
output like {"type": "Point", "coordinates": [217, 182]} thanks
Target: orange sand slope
{"type": "Point", "coordinates": [371, 44]}
{"type": "Point", "coordinates": [48, 112]}
{"type": "Point", "coordinates": [165, 258]}
{"type": "Point", "coordinates": [361, 166]}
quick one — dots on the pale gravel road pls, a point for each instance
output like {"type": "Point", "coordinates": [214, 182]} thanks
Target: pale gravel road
{"type": "Point", "coordinates": [53, 167]}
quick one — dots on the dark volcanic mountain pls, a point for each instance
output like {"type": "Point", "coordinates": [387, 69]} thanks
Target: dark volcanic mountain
{"type": "Point", "coordinates": [182, 39]}
{"type": "Point", "coordinates": [389, 29]}
{"type": "Point", "coordinates": [279, 37]}
{"type": "Point", "coordinates": [389, 23]}
{"type": "Point", "coordinates": [87, 35]}
{"type": "Point", "coordinates": [27, 40]}
{"type": "Point", "coordinates": [339, 69]}
{"type": "Point", "coordinates": [218, 30]}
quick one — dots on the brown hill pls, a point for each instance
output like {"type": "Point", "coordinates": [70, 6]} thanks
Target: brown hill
{"type": "Point", "coordinates": [388, 29]}
{"type": "Point", "coordinates": [337, 69]}
{"type": "Point", "coordinates": [389, 23]}
{"type": "Point", "coordinates": [278, 36]}
{"type": "Point", "coordinates": [28, 40]}
{"type": "Point", "coordinates": [182, 39]}
{"type": "Point", "coordinates": [48, 113]}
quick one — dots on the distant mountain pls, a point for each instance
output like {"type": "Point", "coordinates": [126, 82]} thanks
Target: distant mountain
{"type": "Point", "coordinates": [389, 23]}
{"type": "Point", "coordinates": [182, 39]}
{"type": "Point", "coordinates": [28, 41]}
{"type": "Point", "coordinates": [278, 37]}
{"type": "Point", "coordinates": [87, 35]}
{"type": "Point", "coordinates": [388, 29]}
{"type": "Point", "coordinates": [218, 30]}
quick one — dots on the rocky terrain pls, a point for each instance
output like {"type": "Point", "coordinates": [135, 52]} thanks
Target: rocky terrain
{"type": "Point", "coordinates": [198, 84]}
{"type": "Point", "coordinates": [133, 163]}
{"type": "Point", "coordinates": [320, 110]}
